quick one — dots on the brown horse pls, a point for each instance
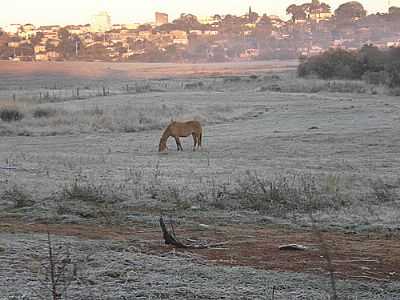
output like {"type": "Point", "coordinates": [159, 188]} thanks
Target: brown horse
{"type": "Point", "coordinates": [181, 129]}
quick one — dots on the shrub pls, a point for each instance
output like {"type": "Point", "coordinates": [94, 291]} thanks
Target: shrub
{"type": "Point", "coordinates": [371, 77]}
{"type": "Point", "coordinates": [17, 196]}
{"type": "Point", "coordinates": [43, 113]}
{"type": "Point", "coordinates": [332, 64]}
{"type": "Point", "coordinates": [10, 114]}
{"type": "Point", "coordinates": [282, 195]}
{"type": "Point", "coordinates": [369, 63]}
{"type": "Point", "coordinates": [393, 74]}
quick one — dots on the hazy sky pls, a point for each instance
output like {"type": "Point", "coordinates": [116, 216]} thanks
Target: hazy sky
{"type": "Point", "coordinates": [64, 12]}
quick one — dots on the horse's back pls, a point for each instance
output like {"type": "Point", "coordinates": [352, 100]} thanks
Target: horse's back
{"type": "Point", "coordinates": [184, 129]}
{"type": "Point", "coordinates": [193, 124]}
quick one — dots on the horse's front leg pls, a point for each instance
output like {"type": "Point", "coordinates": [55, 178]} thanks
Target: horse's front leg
{"type": "Point", "coordinates": [178, 144]}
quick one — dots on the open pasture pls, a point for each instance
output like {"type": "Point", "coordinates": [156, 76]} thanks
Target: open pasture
{"type": "Point", "coordinates": [283, 161]}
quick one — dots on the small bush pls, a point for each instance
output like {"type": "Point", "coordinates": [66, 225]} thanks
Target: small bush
{"type": "Point", "coordinates": [384, 192]}
{"type": "Point", "coordinates": [10, 114]}
{"type": "Point", "coordinates": [84, 191]}
{"type": "Point", "coordinates": [43, 113]}
{"type": "Point", "coordinates": [393, 75]}
{"type": "Point", "coordinates": [194, 85]}
{"type": "Point", "coordinates": [90, 201]}
{"type": "Point", "coordinates": [232, 79]}
{"type": "Point", "coordinates": [375, 77]}
{"type": "Point", "coordinates": [18, 197]}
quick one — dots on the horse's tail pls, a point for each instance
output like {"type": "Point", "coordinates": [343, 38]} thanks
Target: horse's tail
{"type": "Point", "coordinates": [200, 137]}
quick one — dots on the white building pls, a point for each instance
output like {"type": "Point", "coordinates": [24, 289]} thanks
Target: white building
{"type": "Point", "coordinates": [12, 28]}
{"type": "Point", "coordinates": [395, 3]}
{"type": "Point", "coordinates": [101, 22]}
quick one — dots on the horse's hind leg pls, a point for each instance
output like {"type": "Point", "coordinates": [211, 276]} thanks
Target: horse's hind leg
{"type": "Point", "coordinates": [195, 141]}
{"type": "Point", "coordinates": [199, 140]}
{"type": "Point", "coordinates": [178, 144]}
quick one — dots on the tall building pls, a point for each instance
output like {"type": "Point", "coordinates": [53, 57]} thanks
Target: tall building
{"type": "Point", "coordinates": [161, 18]}
{"type": "Point", "coordinates": [393, 3]}
{"type": "Point", "coordinates": [101, 22]}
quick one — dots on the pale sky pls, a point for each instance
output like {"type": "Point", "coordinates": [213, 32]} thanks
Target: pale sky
{"type": "Point", "coordinates": [47, 12]}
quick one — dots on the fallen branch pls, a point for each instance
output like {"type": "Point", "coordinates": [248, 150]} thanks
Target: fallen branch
{"type": "Point", "coordinates": [171, 239]}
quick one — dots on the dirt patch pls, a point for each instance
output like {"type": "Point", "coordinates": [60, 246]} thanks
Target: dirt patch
{"type": "Point", "coordinates": [355, 256]}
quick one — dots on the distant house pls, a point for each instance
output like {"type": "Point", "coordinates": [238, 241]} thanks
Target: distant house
{"type": "Point", "coordinates": [211, 32]}
{"type": "Point", "coordinates": [28, 27]}
{"type": "Point", "coordinates": [181, 41]}
{"type": "Point", "coordinates": [178, 34]}
{"type": "Point", "coordinates": [319, 15]}
{"type": "Point", "coordinates": [41, 56]}
{"type": "Point", "coordinates": [249, 53]}
{"type": "Point", "coordinates": [12, 29]}
{"type": "Point", "coordinates": [50, 32]}
{"type": "Point", "coordinates": [27, 31]}
{"type": "Point", "coordinates": [276, 21]}
{"type": "Point", "coordinates": [39, 48]}
{"type": "Point", "coordinates": [145, 34]}
{"type": "Point", "coordinates": [179, 37]}
{"type": "Point", "coordinates": [161, 18]}
{"type": "Point", "coordinates": [48, 56]}
{"type": "Point", "coordinates": [76, 29]}
{"type": "Point", "coordinates": [195, 32]}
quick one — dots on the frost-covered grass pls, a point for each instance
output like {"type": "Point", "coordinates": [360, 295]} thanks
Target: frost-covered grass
{"type": "Point", "coordinates": [124, 116]}
{"type": "Point", "coordinates": [106, 269]}
{"type": "Point", "coordinates": [289, 197]}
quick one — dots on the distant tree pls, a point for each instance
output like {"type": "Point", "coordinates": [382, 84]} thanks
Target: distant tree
{"type": "Point", "coordinates": [232, 25]}
{"type": "Point", "coordinates": [168, 27]}
{"type": "Point", "coordinates": [4, 38]}
{"type": "Point", "coordinates": [263, 28]}
{"type": "Point", "coordinates": [371, 58]}
{"type": "Point", "coordinates": [334, 63]}
{"type": "Point", "coordinates": [198, 49]}
{"type": "Point", "coordinates": [37, 38]}
{"type": "Point", "coordinates": [145, 27]}
{"type": "Point", "coordinates": [253, 17]}
{"type": "Point", "coordinates": [350, 11]}
{"type": "Point", "coordinates": [297, 12]}
{"type": "Point", "coordinates": [68, 44]}
{"type": "Point", "coordinates": [394, 10]}
{"type": "Point", "coordinates": [96, 51]}
{"type": "Point", "coordinates": [187, 22]}
{"type": "Point", "coordinates": [218, 55]}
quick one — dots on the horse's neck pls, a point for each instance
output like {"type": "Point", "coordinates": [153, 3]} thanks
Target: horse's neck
{"type": "Point", "coordinates": [165, 135]}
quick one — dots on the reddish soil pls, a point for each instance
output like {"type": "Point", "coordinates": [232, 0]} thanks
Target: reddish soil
{"type": "Point", "coordinates": [355, 256]}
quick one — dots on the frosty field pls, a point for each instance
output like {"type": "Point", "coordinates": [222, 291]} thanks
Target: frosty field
{"type": "Point", "coordinates": [283, 161]}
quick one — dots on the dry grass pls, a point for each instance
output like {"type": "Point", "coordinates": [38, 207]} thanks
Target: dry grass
{"type": "Point", "coordinates": [49, 119]}
{"type": "Point", "coordinates": [299, 85]}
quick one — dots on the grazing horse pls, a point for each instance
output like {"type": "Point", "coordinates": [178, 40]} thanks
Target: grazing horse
{"type": "Point", "coordinates": [181, 129]}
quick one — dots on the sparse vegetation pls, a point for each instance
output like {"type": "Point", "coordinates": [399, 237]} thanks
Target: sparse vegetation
{"type": "Point", "coordinates": [89, 200]}
{"type": "Point", "coordinates": [9, 114]}
{"type": "Point", "coordinates": [281, 196]}
{"type": "Point", "coordinates": [17, 197]}
{"type": "Point", "coordinates": [43, 112]}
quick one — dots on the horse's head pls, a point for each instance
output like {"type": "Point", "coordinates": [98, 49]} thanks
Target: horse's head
{"type": "Point", "coordinates": [162, 147]}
